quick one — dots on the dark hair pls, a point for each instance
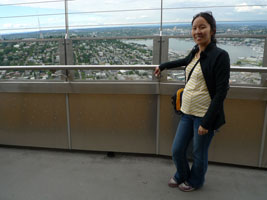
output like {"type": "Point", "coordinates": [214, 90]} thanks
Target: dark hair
{"type": "Point", "coordinates": [211, 21]}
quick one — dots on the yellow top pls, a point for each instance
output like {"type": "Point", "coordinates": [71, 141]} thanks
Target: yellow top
{"type": "Point", "coordinates": [196, 98]}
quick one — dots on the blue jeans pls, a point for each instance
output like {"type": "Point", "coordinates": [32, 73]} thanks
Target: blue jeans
{"type": "Point", "coordinates": [188, 130]}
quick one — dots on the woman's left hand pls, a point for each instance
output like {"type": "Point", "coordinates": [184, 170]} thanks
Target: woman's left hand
{"type": "Point", "coordinates": [202, 131]}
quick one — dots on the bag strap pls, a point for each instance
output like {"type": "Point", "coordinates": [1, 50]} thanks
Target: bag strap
{"type": "Point", "coordinates": [192, 70]}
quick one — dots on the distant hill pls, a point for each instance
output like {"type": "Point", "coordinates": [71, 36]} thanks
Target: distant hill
{"type": "Point", "coordinates": [135, 30]}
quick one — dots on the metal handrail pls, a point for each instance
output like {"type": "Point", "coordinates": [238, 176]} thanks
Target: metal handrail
{"type": "Point", "coordinates": [116, 67]}
{"type": "Point", "coordinates": [249, 69]}
{"type": "Point", "coordinates": [79, 67]}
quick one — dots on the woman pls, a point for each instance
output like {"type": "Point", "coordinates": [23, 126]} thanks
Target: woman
{"type": "Point", "coordinates": [202, 104]}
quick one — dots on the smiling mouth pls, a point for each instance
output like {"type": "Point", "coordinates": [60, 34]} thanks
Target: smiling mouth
{"type": "Point", "coordinates": [198, 38]}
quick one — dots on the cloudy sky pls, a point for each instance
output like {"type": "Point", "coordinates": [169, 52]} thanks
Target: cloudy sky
{"type": "Point", "coordinates": [25, 16]}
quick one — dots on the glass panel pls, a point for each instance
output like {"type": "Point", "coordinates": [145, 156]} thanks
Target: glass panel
{"type": "Point", "coordinates": [233, 19]}
{"type": "Point", "coordinates": [109, 19]}
{"type": "Point", "coordinates": [118, 75]}
{"type": "Point", "coordinates": [29, 53]}
{"type": "Point", "coordinates": [113, 52]}
{"type": "Point", "coordinates": [114, 18]}
{"type": "Point", "coordinates": [24, 19]}
{"type": "Point", "coordinates": [30, 75]}
{"type": "Point", "coordinates": [247, 78]}
{"type": "Point", "coordinates": [177, 13]}
{"type": "Point", "coordinates": [176, 75]}
{"type": "Point", "coordinates": [242, 51]}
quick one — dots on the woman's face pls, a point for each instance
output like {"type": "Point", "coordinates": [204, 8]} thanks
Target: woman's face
{"type": "Point", "coordinates": [201, 32]}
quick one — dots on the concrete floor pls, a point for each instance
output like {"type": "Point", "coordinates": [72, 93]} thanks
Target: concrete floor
{"type": "Point", "coordinates": [30, 174]}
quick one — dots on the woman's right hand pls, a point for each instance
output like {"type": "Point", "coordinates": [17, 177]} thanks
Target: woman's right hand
{"type": "Point", "coordinates": [157, 72]}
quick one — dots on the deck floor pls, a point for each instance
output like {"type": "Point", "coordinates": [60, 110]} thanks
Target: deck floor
{"type": "Point", "coordinates": [40, 174]}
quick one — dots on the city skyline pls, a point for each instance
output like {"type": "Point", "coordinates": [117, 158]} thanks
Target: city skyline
{"type": "Point", "coordinates": [22, 16]}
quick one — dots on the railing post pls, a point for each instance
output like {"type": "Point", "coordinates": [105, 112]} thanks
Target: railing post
{"type": "Point", "coordinates": [69, 52]}
{"type": "Point", "coordinates": [165, 49]}
{"type": "Point", "coordinates": [160, 52]}
{"type": "Point", "coordinates": [66, 57]}
{"type": "Point", "coordinates": [69, 74]}
{"type": "Point", "coordinates": [160, 55]}
{"type": "Point", "coordinates": [61, 47]}
{"type": "Point", "coordinates": [264, 64]}
{"type": "Point", "coordinates": [69, 60]}
{"type": "Point", "coordinates": [62, 57]}
{"type": "Point", "coordinates": [156, 50]}
{"type": "Point", "coordinates": [156, 61]}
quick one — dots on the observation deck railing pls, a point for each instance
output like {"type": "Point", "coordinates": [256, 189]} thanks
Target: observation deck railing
{"type": "Point", "coordinates": [125, 116]}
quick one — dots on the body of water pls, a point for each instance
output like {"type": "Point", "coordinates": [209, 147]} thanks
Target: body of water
{"type": "Point", "coordinates": [182, 46]}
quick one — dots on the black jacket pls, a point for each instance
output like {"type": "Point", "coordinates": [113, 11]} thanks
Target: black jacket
{"type": "Point", "coordinates": [215, 65]}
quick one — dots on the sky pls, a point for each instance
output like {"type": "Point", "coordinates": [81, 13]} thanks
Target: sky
{"type": "Point", "coordinates": [11, 19]}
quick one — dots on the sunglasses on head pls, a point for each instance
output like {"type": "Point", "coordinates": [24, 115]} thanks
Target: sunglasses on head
{"type": "Point", "coordinates": [205, 13]}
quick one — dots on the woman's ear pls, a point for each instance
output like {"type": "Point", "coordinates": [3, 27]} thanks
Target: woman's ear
{"type": "Point", "coordinates": [212, 32]}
